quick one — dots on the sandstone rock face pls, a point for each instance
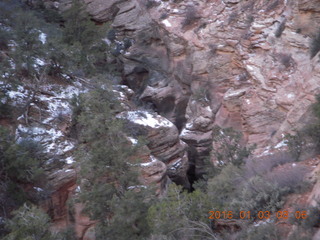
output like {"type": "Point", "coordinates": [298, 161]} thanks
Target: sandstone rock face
{"type": "Point", "coordinates": [240, 64]}
{"type": "Point", "coordinates": [164, 143]}
{"type": "Point", "coordinates": [251, 57]}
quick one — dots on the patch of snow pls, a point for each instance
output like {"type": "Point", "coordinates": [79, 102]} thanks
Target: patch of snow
{"type": "Point", "coordinates": [293, 164]}
{"type": "Point", "coordinates": [262, 222]}
{"type": "Point", "coordinates": [38, 189]}
{"type": "Point", "coordinates": [248, 101]}
{"type": "Point", "coordinates": [166, 23]}
{"type": "Point", "coordinates": [146, 119]}
{"type": "Point", "coordinates": [281, 144]}
{"type": "Point", "coordinates": [175, 10]}
{"type": "Point", "coordinates": [15, 94]}
{"type": "Point", "coordinates": [219, 22]}
{"type": "Point", "coordinates": [78, 189]}
{"type": "Point", "coordinates": [290, 95]}
{"type": "Point", "coordinates": [121, 94]}
{"type": "Point", "coordinates": [152, 160]}
{"type": "Point", "coordinates": [176, 165]}
{"type": "Point", "coordinates": [68, 148]}
{"type": "Point", "coordinates": [184, 132]}
{"type": "Point", "coordinates": [55, 133]}
{"type": "Point", "coordinates": [189, 125]}
{"type": "Point", "coordinates": [68, 170]}
{"type": "Point", "coordinates": [265, 152]}
{"type": "Point", "coordinates": [133, 141]}
{"type": "Point", "coordinates": [68, 92]}
{"type": "Point", "coordinates": [39, 62]}
{"type": "Point", "coordinates": [208, 108]}
{"type": "Point", "coordinates": [69, 160]}
{"type": "Point", "coordinates": [43, 37]}
{"type": "Point", "coordinates": [137, 186]}
{"type": "Point", "coordinates": [250, 67]}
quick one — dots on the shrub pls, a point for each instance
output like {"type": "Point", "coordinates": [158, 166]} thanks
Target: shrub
{"type": "Point", "coordinates": [265, 231]}
{"type": "Point", "coordinates": [227, 147]}
{"type": "Point", "coordinates": [312, 218]}
{"type": "Point", "coordinates": [260, 195]}
{"type": "Point", "coordinates": [222, 189]}
{"type": "Point", "coordinates": [213, 48]}
{"type": "Point", "coordinates": [295, 144]}
{"type": "Point", "coordinates": [280, 29]}
{"type": "Point", "coordinates": [285, 59]}
{"type": "Point", "coordinates": [233, 17]}
{"type": "Point", "coordinates": [21, 161]}
{"type": "Point", "coordinates": [263, 165]}
{"type": "Point", "coordinates": [315, 45]}
{"type": "Point", "coordinates": [29, 223]}
{"type": "Point", "coordinates": [291, 177]}
{"type": "Point", "coordinates": [201, 95]}
{"type": "Point", "coordinates": [191, 17]}
{"type": "Point", "coordinates": [181, 215]}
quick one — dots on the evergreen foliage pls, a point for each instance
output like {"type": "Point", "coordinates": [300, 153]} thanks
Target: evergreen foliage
{"type": "Point", "coordinates": [227, 147]}
{"type": "Point", "coordinates": [181, 215]}
{"type": "Point", "coordinates": [29, 223]}
{"type": "Point", "coordinates": [19, 161]}
{"type": "Point", "coordinates": [108, 170]}
{"type": "Point", "coordinates": [222, 188]}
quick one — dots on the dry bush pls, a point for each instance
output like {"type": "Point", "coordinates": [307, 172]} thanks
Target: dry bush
{"type": "Point", "coordinates": [290, 177]}
{"type": "Point", "coordinates": [265, 164]}
{"type": "Point", "coordinates": [285, 59]}
{"type": "Point", "coordinates": [280, 29]}
{"type": "Point", "coordinates": [191, 17]}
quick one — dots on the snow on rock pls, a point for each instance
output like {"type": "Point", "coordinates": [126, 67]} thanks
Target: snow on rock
{"type": "Point", "coordinates": [39, 62]}
{"type": "Point", "coordinates": [281, 144]}
{"type": "Point", "coordinates": [176, 165]}
{"type": "Point", "coordinates": [152, 160]}
{"type": "Point", "coordinates": [185, 132]}
{"type": "Point", "coordinates": [19, 96]}
{"type": "Point", "coordinates": [137, 186]}
{"type": "Point", "coordinates": [52, 139]}
{"type": "Point", "coordinates": [52, 102]}
{"type": "Point", "coordinates": [146, 119]}
{"type": "Point", "coordinates": [38, 189]}
{"type": "Point", "coordinates": [69, 160]}
{"type": "Point", "coordinates": [166, 23]}
{"type": "Point", "coordinates": [43, 37]}
{"type": "Point", "coordinates": [133, 140]}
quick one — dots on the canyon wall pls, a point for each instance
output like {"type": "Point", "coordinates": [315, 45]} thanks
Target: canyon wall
{"type": "Point", "coordinates": [232, 63]}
